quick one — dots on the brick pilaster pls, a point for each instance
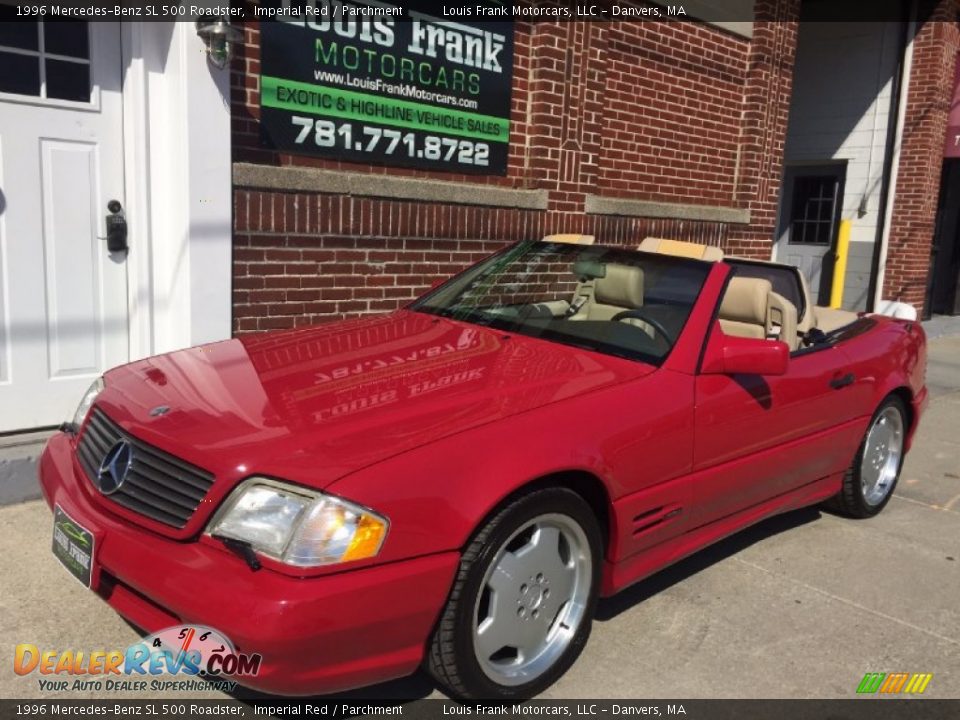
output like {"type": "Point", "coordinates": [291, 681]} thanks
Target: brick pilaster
{"type": "Point", "coordinates": [915, 201]}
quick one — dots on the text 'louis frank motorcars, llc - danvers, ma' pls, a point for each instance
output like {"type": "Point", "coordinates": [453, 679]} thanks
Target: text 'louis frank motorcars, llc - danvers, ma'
{"type": "Point", "coordinates": [455, 484]}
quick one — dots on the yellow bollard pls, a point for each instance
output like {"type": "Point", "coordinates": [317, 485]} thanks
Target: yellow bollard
{"type": "Point", "coordinates": [840, 264]}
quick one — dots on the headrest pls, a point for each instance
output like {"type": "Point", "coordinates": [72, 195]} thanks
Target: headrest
{"type": "Point", "coordinates": [621, 286]}
{"type": "Point", "coordinates": [746, 300]}
{"type": "Point", "coordinates": [681, 248]}
{"type": "Point", "coordinates": [589, 269]}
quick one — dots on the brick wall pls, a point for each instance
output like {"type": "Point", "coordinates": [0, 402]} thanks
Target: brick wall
{"type": "Point", "coordinates": [918, 182]}
{"type": "Point", "coordinates": [669, 112]}
{"type": "Point", "coordinates": [303, 258]}
{"type": "Point", "coordinates": [679, 138]}
{"type": "Point", "coordinates": [766, 107]}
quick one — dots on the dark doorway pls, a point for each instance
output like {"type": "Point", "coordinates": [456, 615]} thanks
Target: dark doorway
{"type": "Point", "coordinates": [943, 298]}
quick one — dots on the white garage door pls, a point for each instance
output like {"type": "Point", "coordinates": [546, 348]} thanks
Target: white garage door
{"type": "Point", "coordinates": [63, 296]}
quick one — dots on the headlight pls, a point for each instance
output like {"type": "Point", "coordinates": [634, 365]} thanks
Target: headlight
{"type": "Point", "coordinates": [297, 526]}
{"type": "Point", "coordinates": [87, 402]}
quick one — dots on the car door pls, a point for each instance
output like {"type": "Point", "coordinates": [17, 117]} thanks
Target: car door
{"type": "Point", "coordinates": [757, 437]}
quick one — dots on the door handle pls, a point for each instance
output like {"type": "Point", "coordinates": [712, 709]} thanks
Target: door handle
{"type": "Point", "coordinates": [842, 381]}
{"type": "Point", "coordinates": [116, 223]}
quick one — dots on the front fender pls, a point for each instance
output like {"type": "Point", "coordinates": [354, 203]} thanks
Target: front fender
{"type": "Point", "coordinates": [631, 437]}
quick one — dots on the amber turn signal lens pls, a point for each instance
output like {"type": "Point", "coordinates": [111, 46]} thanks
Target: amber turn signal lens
{"type": "Point", "coordinates": [367, 539]}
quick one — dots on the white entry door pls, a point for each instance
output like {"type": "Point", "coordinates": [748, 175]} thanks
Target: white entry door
{"type": "Point", "coordinates": [811, 202]}
{"type": "Point", "coordinates": [63, 295]}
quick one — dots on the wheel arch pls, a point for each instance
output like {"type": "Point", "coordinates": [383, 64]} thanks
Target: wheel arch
{"type": "Point", "coordinates": [850, 500]}
{"type": "Point", "coordinates": [905, 394]}
{"type": "Point", "coordinates": [586, 484]}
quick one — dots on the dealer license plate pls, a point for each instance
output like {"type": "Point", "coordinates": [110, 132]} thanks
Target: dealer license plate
{"type": "Point", "coordinates": [72, 546]}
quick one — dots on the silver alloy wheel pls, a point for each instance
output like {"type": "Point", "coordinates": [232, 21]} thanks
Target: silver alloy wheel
{"type": "Point", "coordinates": [533, 599]}
{"type": "Point", "coordinates": [881, 455]}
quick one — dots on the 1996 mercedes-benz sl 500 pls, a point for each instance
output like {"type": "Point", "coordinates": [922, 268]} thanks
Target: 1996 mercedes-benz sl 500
{"type": "Point", "coordinates": [453, 485]}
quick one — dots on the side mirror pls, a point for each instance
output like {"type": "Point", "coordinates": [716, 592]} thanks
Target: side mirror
{"type": "Point", "coordinates": [728, 355]}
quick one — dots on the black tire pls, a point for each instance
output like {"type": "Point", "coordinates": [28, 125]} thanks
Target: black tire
{"type": "Point", "coordinates": [451, 657]}
{"type": "Point", "coordinates": [850, 501]}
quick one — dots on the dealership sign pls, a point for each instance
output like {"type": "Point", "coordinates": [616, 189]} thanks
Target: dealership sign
{"type": "Point", "coordinates": [952, 147]}
{"type": "Point", "coordinates": [382, 84]}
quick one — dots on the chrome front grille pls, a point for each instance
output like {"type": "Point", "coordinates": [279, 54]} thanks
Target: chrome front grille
{"type": "Point", "coordinates": [157, 485]}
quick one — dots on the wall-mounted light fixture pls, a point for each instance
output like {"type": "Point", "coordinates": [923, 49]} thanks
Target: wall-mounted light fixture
{"type": "Point", "coordinates": [220, 37]}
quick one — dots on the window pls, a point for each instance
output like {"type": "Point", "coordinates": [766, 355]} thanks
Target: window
{"type": "Point", "coordinates": [44, 59]}
{"type": "Point", "coordinates": [813, 211]}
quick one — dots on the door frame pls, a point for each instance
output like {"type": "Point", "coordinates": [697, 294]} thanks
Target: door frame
{"type": "Point", "coordinates": [791, 170]}
{"type": "Point", "coordinates": [181, 255]}
{"type": "Point", "coordinates": [136, 162]}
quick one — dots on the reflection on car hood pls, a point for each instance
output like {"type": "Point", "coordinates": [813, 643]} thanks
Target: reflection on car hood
{"type": "Point", "coordinates": [317, 403]}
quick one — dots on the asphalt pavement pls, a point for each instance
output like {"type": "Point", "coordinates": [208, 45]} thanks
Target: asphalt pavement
{"type": "Point", "coordinates": [800, 606]}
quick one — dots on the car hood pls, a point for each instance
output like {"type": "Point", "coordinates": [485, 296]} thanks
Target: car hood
{"type": "Point", "coordinates": [315, 404]}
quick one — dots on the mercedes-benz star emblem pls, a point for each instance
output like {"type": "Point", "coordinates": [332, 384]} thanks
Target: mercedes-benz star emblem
{"type": "Point", "coordinates": [114, 468]}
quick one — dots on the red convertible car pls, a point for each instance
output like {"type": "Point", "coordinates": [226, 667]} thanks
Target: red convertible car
{"type": "Point", "coordinates": [455, 484]}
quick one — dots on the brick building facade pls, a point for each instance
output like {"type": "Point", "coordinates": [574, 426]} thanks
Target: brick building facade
{"type": "Point", "coordinates": [918, 185]}
{"type": "Point", "coordinates": [721, 130]}
{"type": "Point", "coordinates": [621, 129]}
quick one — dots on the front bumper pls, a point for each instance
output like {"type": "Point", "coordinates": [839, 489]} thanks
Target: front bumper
{"type": "Point", "coordinates": [316, 635]}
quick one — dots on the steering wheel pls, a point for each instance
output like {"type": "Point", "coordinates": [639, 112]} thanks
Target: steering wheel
{"type": "Point", "coordinates": [640, 314]}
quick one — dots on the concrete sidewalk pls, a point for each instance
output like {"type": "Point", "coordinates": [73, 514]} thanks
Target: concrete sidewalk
{"type": "Point", "coordinates": [802, 605]}
{"type": "Point", "coordinates": [942, 326]}
{"type": "Point", "coordinates": [18, 466]}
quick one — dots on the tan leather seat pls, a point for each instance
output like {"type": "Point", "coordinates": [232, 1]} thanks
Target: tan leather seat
{"type": "Point", "coordinates": [620, 289]}
{"type": "Point", "coordinates": [830, 319]}
{"type": "Point", "coordinates": [807, 320]}
{"type": "Point", "coordinates": [743, 310]}
{"type": "Point", "coordinates": [751, 309]}
{"type": "Point", "coordinates": [681, 248]}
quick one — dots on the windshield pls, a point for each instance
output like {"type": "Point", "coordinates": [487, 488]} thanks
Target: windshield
{"type": "Point", "coordinates": [610, 300]}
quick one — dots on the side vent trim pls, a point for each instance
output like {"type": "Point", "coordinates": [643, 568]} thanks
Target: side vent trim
{"type": "Point", "coordinates": [656, 517]}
